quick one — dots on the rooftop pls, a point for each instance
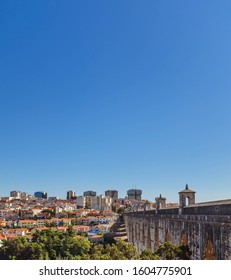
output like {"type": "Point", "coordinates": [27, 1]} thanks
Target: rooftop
{"type": "Point", "coordinates": [211, 203]}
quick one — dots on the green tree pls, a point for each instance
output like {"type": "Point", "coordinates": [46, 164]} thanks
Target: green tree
{"type": "Point", "coordinates": [128, 250]}
{"type": "Point", "coordinates": [120, 212]}
{"type": "Point", "coordinates": [71, 231]}
{"type": "Point", "coordinates": [35, 251]}
{"type": "Point", "coordinates": [169, 251]}
{"type": "Point", "coordinates": [120, 250]}
{"type": "Point", "coordinates": [148, 255]}
{"type": "Point", "coordinates": [113, 208]}
{"type": "Point", "coordinates": [73, 247]}
{"type": "Point", "coordinates": [54, 245]}
{"type": "Point", "coordinates": [184, 252]}
{"type": "Point", "coordinates": [60, 245]}
{"type": "Point", "coordinates": [14, 249]}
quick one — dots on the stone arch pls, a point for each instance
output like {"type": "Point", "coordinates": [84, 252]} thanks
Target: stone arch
{"type": "Point", "coordinates": [209, 252]}
{"type": "Point", "coordinates": [149, 243]}
{"type": "Point", "coordinates": [167, 235]}
{"type": "Point", "coordinates": [156, 237]}
{"type": "Point", "coordinates": [184, 238]}
{"type": "Point", "coordinates": [133, 230]}
{"type": "Point", "coordinates": [143, 233]}
{"type": "Point", "coordinates": [187, 200]}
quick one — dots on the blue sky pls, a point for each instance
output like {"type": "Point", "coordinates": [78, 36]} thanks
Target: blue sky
{"type": "Point", "coordinates": [97, 95]}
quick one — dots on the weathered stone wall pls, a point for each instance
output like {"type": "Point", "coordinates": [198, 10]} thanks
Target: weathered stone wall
{"type": "Point", "coordinates": [208, 236]}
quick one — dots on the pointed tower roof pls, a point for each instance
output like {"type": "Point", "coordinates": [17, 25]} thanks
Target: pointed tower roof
{"type": "Point", "coordinates": [187, 190]}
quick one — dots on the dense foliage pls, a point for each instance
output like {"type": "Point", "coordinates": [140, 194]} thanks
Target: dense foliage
{"type": "Point", "coordinates": [54, 245]}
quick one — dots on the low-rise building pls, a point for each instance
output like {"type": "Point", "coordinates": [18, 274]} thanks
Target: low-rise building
{"type": "Point", "coordinates": [96, 238]}
{"type": "Point", "coordinates": [27, 223]}
{"type": "Point", "coordinates": [81, 228]}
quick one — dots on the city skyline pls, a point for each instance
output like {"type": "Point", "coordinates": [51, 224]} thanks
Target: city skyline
{"type": "Point", "coordinates": [125, 194]}
{"type": "Point", "coordinates": [120, 95]}
{"type": "Point", "coordinates": [89, 192]}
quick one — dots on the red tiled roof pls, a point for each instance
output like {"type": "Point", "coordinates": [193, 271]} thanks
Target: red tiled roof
{"type": "Point", "coordinates": [96, 236]}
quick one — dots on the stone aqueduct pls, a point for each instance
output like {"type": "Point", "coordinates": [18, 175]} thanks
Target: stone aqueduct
{"type": "Point", "coordinates": [205, 227]}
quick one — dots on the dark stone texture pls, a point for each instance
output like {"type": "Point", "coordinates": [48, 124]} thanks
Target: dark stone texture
{"type": "Point", "coordinates": [208, 235]}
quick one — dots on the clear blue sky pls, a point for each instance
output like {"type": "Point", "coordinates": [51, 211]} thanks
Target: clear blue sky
{"type": "Point", "coordinates": [97, 95]}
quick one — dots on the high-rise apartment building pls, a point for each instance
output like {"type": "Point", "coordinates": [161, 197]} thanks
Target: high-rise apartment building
{"type": "Point", "coordinates": [71, 194]}
{"type": "Point", "coordinates": [89, 193]}
{"type": "Point", "coordinates": [81, 202]}
{"type": "Point", "coordinates": [111, 193]}
{"type": "Point", "coordinates": [40, 194]}
{"type": "Point", "coordinates": [24, 194]}
{"type": "Point", "coordinates": [16, 194]}
{"type": "Point", "coordinates": [98, 202]}
{"type": "Point", "coordinates": [134, 194]}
